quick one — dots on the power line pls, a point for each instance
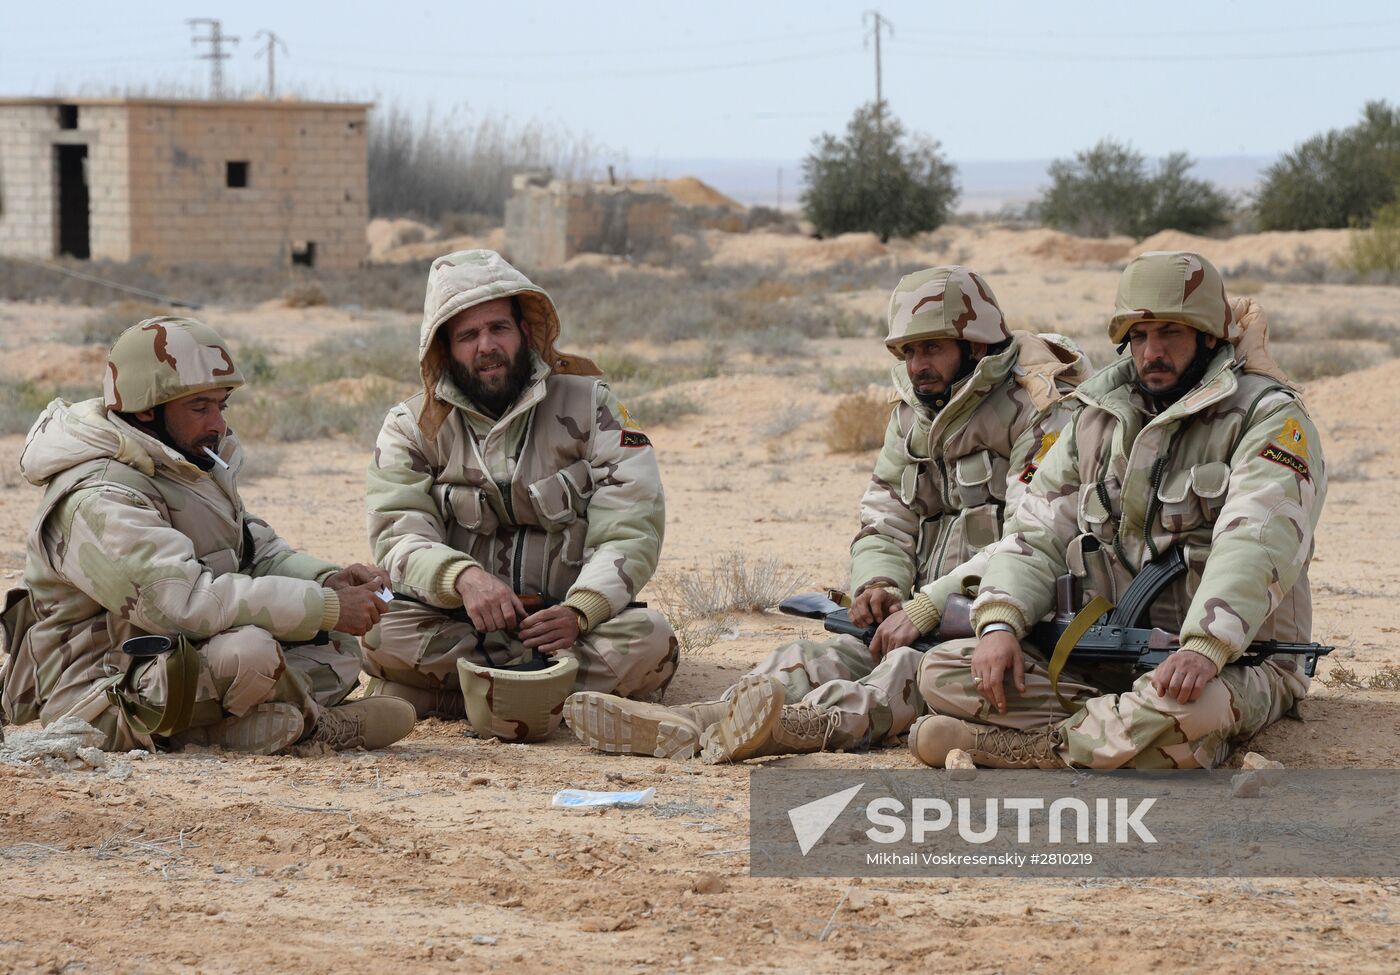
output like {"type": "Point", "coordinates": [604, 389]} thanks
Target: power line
{"type": "Point", "coordinates": [1092, 57]}
{"type": "Point", "coordinates": [216, 56]}
{"type": "Point", "coordinates": [270, 49]}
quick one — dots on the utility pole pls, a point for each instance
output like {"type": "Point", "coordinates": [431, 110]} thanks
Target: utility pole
{"type": "Point", "coordinates": [780, 189]}
{"type": "Point", "coordinates": [878, 23]}
{"type": "Point", "coordinates": [216, 56]}
{"type": "Point", "coordinates": [273, 43]}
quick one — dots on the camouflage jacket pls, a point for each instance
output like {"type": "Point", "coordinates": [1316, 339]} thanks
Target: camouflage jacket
{"type": "Point", "coordinates": [943, 481]}
{"type": "Point", "coordinates": [556, 497]}
{"type": "Point", "coordinates": [130, 538]}
{"type": "Point", "coordinates": [1233, 472]}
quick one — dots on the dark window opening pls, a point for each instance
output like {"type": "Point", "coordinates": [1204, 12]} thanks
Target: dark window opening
{"type": "Point", "coordinates": [68, 116]}
{"type": "Point", "coordinates": [72, 200]}
{"type": "Point", "coordinates": [304, 252]}
{"type": "Point", "coordinates": [236, 174]}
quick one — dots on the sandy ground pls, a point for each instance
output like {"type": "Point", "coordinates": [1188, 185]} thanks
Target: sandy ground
{"type": "Point", "coordinates": [442, 854]}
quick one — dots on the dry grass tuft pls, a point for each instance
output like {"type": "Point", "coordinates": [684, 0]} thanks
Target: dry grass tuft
{"type": "Point", "coordinates": [858, 422]}
{"type": "Point", "coordinates": [103, 327]}
{"type": "Point", "coordinates": [731, 584]}
{"type": "Point", "coordinates": [305, 294]}
{"type": "Point", "coordinates": [1385, 679]}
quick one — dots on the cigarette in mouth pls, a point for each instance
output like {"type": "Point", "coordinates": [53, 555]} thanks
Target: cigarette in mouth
{"type": "Point", "coordinates": [216, 458]}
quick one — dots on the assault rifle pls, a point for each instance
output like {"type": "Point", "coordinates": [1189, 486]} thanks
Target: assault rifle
{"type": "Point", "coordinates": [1100, 633]}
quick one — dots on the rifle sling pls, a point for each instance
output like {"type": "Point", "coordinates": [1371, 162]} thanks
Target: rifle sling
{"type": "Point", "coordinates": [181, 680]}
{"type": "Point", "coordinates": [1070, 638]}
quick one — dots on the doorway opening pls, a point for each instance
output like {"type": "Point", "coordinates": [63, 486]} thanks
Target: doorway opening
{"type": "Point", "coordinates": [73, 217]}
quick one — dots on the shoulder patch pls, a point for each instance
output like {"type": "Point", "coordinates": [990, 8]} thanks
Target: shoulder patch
{"type": "Point", "coordinates": [1028, 473]}
{"type": "Point", "coordinates": [635, 438]}
{"type": "Point", "coordinates": [1293, 438]}
{"type": "Point", "coordinates": [1283, 458]}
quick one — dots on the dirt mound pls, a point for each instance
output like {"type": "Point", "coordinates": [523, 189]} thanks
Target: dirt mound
{"type": "Point", "coordinates": [792, 254]}
{"type": "Point", "coordinates": [1276, 250]}
{"type": "Point", "coordinates": [52, 363]}
{"type": "Point", "coordinates": [429, 249]}
{"type": "Point", "coordinates": [1059, 246]}
{"type": "Point", "coordinates": [691, 192]}
{"type": "Point", "coordinates": [363, 389]}
{"type": "Point", "coordinates": [384, 236]}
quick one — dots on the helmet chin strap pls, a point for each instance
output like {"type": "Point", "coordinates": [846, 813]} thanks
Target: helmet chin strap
{"type": "Point", "coordinates": [1191, 376]}
{"type": "Point", "coordinates": [966, 364]}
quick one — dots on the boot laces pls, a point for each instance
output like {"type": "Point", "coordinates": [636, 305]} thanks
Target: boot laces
{"type": "Point", "coordinates": [338, 731]}
{"type": "Point", "coordinates": [1021, 746]}
{"type": "Point", "coordinates": [808, 721]}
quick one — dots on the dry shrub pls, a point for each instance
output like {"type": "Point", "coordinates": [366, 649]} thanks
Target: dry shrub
{"type": "Point", "coordinates": [1385, 679]}
{"type": "Point", "coordinates": [771, 290]}
{"type": "Point", "coordinates": [103, 327]}
{"type": "Point", "coordinates": [305, 294]}
{"type": "Point", "coordinates": [858, 422]}
{"type": "Point", "coordinates": [731, 584]}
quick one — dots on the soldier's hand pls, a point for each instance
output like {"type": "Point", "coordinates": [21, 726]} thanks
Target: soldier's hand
{"type": "Point", "coordinates": [873, 606]}
{"type": "Point", "coordinates": [997, 654]}
{"type": "Point", "coordinates": [898, 630]}
{"type": "Point", "coordinates": [552, 629]}
{"type": "Point", "coordinates": [489, 602]}
{"type": "Point", "coordinates": [360, 608]}
{"type": "Point", "coordinates": [1183, 675]}
{"type": "Point", "coordinates": [358, 574]}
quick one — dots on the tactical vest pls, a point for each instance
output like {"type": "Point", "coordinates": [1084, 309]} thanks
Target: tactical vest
{"type": "Point", "coordinates": [525, 522]}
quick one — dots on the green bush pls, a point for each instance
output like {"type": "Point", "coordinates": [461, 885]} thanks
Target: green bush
{"type": "Point", "coordinates": [1108, 190]}
{"type": "Point", "coordinates": [1377, 251]}
{"type": "Point", "coordinates": [1339, 179]}
{"type": "Point", "coordinates": [876, 179]}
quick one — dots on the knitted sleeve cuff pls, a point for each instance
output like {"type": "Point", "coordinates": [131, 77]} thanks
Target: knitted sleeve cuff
{"type": "Point", "coordinates": [445, 585]}
{"type": "Point", "coordinates": [592, 606]}
{"type": "Point", "coordinates": [922, 613]}
{"type": "Point", "coordinates": [1216, 651]}
{"type": "Point", "coordinates": [330, 609]}
{"type": "Point", "coordinates": [998, 613]}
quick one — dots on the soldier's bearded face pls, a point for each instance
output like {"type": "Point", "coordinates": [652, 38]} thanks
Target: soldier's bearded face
{"type": "Point", "coordinates": [1162, 351]}
{"type": "Point", "coordinates": [490, 354]}
{"type": "Point", "coordinates": [193, 423]}
{"type": "Point", "coordinates": [933, 365]}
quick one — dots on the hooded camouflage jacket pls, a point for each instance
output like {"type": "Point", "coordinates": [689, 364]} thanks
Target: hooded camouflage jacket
{"type": "Point", "coordinates": [944, 480]}
{"type": "Point", "coordinates": [556, 497]}
{"type": "Point", "coordinates": [131, 538]}
{"type": "Point", "coordinates": [1233, 471]}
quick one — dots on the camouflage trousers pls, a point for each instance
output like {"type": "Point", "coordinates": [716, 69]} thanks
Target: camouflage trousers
{"type": "Point", "coordinates": [634, 654]}
{"type": "Point", "coordinates": [238, 670]}
{"type": "Point", "coordinates": [875, 703]}
{"type": "Point", "coordinates": [1138, 728]}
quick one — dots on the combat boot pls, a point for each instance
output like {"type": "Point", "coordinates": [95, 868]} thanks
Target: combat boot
{"type": "Point", "coordinates": [767, 726]}
{"type": "Point", "coordinates": [933, 736]}
{"type": "Point", "coordinates": [608, 723]}
{"type": "Point", "coordinates": [369, 723]}
{"type": "Point", "coordinates": [445, 703]}
{"type": "Point", "coordinates": [264, 730]}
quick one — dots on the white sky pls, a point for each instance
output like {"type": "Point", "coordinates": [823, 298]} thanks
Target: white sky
{"type": "Point", "coordinates": [758, 79]}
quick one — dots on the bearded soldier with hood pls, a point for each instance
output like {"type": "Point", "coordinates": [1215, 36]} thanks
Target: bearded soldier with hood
{"type": "Point", "coordinates": [141, 533]}
{"type": "Point", "coordinates": [1195, 441]}
{"type": "Point", "coordinates": [514, 473]}
{"type": "Point", "coordinates": [978, 409]}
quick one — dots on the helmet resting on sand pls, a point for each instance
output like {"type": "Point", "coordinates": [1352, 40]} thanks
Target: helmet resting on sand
{"type": "Point", "coordinates": [524, 703]}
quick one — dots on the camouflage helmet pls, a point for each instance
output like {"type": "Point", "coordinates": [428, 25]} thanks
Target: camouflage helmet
{"type": "Point", "coordinates": [164, 359]}
{"type": "Point", "coordinates": [517, 704]}
{"type": "Point", "coordinates": [944, 303]}
{"type": "Point", "coordinates": [1175, 286]}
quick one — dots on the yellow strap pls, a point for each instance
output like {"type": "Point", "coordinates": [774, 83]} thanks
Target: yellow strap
{"type": "Point", "coordinates": [1070, 638]}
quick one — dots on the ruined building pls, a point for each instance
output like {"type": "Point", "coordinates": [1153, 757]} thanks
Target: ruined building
{"type": "Point", "coordinates": [237, 182]}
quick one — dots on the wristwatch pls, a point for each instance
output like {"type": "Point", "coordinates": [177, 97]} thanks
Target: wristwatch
{"type": "Point", "coordinates": [996, 627]}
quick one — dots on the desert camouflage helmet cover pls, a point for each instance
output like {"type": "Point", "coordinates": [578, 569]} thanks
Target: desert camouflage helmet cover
{"type": "Point", "coordinates": [1175, 286]}
{"type": "Point", "coordinates": [516, 705]}
{"type": "Point", "coordinates": [944, 303]}
{"type": "Point", "coordinates": [163, 359]}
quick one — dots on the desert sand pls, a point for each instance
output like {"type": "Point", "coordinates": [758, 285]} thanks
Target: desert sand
{"type": "Point", "coordinates": [442, 853]}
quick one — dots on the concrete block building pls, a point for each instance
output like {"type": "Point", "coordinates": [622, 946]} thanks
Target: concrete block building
{"type": "Point", "coordinates": [184, 182]}
{"type": "Point", "coordinates": [550, 221]}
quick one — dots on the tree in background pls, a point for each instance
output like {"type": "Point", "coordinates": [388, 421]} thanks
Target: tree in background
{"type": "Point", "coordinates": [1377, 251]}
{"type": "Point", "coordinates": [877, 179]}
{"type": "Point", "coordinates": [1108, 190]}
{"type": "Point", "coordinates": [1338, 179]}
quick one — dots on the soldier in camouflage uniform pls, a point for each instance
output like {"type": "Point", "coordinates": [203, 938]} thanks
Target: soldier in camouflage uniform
{"type": "Point", "coordinates": [1196, 440]}
{"type": "Point", "coordinates": [514, 472]}
{"type": "Point", "coordinates": [141, 531]}
{"type": "Point", "coordinates": [978, 408]}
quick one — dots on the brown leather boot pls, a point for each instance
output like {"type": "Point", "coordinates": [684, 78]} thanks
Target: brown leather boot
{"type": "Point", "coordinates": [368, 723]}
{"type": "Point", "coordinates": [934, 735]}
{"type": "Point", "coordinates": [446, 703]}
{"type": "Point", "coordinates": [264, 730]}
{"type": "Point", "coordinates": [622, 726]}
